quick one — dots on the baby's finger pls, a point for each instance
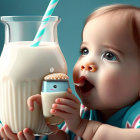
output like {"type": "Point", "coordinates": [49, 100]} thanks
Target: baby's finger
{"type": "Point", "coordinates": [20, 136]}
{"type": "Point", "coordinates": [32, 99]}
{"type": "Point", "coordinates": [72, 97]}
{"type": "Point", "coordinates": [28, 134]}
{"type": "Point", "coordinates": [63, 108]}
{"type": "Point", "coordinates": [30, 103]}
{"type": "Point", "coordinates": [9, 133]}
{"type": "Point", "coordinates": [68, 102]}
{"type": "Point", "coordinates": [3, 135]}
{"type": "Point", "coordinates": [60, 114]}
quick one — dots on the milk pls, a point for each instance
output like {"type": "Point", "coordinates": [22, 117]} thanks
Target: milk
{"type": "Point", "coordinates": [47, 100]}
{"type": "Point", "coordinates": [22, 69]}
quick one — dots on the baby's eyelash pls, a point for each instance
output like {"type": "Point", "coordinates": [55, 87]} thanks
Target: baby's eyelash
{"type": "Point", "coordinates": [110, 56]}
{"type": "Point", "coordinates": [84, 51]}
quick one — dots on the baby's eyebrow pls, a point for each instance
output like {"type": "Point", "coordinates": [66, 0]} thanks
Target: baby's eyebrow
{"type": "Point", "coordinates": [114, 48]}
{"type": "Point", "coordinates": [83, 43]}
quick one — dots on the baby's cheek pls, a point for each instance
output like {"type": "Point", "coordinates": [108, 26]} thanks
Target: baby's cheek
{"type": "Point", "coordinates": [75, 74]}
{"type": "Point", "coordinates": [110, 85]}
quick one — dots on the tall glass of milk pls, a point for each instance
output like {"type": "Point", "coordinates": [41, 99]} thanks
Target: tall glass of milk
{"type": "Point", "coordinates": [22, 69]}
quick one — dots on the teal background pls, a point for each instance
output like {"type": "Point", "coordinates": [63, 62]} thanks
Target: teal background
{"type": "Point", "coordinates": [73, 14]}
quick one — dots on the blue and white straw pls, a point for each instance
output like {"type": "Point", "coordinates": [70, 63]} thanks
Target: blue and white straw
{"type": "Point", "coordinates": [43, 25]}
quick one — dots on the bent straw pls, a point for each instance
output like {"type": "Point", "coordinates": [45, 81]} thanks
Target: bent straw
{"type": "Point", "coordinates": [43, 25]}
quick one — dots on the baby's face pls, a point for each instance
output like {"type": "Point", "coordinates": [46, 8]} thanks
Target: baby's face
{"type": "Point", "coordinates": [108, 70]}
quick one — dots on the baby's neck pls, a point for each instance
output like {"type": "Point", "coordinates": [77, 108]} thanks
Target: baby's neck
{"type": "Point", "coordinates": [106, 114]}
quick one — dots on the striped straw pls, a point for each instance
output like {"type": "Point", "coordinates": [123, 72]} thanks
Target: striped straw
{"type": "Point", "coordinates": [43, 25]}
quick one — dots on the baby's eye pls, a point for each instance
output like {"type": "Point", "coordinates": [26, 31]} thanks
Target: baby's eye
{"type": "Point", "coordinates": [110, 56]}
{"type": "Point", "coordinates": [84, 51]}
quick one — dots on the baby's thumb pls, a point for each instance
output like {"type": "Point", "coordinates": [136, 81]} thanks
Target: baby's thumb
{"type": "Point", "coordinates": [30, 103]}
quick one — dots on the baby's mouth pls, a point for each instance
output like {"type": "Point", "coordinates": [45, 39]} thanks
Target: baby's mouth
{"type": "Point", "coordinates": [83, 85]}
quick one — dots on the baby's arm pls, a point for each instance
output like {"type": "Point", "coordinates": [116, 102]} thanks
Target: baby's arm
{"type": "Point", "coordinates": [93, 130]}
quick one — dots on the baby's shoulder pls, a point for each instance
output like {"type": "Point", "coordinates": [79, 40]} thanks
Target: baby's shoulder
{"type": "Point", "coordinates": [132, 116]}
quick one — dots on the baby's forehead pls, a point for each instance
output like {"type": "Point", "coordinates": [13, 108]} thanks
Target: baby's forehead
{"type": "Point", "coordinates": [118, 27]}
{"type": "Point", "coordinates": [124, 18]}
{"type": "Point", "coordinates": [107, 24]}
{"type": "Point", "coordinates": [120, 19]}
{"type": "Point", "coordinates": [124, 21]}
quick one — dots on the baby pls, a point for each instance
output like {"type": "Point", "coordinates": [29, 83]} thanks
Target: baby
{"type": "Point", "coordinates": [107, 79]}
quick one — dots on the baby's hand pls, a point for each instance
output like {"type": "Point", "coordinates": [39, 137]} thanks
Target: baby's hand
{"type": "Point", "coordinates": [6, 133]}
{"type": "Point", "coordinates": [30, 103]}
{"type": "Point", "coordinates": [32, 99]}
{"type": "Point", "coordinates": [68, 108]}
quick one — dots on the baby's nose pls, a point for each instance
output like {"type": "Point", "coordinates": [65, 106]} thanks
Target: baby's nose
{"type": "Point", "coordinates": [89, 67]}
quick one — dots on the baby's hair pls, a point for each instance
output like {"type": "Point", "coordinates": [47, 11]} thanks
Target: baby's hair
{"type": "Point", "coordinates": [132, 19]}
{"type": "Point", "coordinates": [110, 9]}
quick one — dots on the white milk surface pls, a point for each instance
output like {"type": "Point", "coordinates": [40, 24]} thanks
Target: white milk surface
{"type": "Point", "coordinates": [22, 69]}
